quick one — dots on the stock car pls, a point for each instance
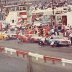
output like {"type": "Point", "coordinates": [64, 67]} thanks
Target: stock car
{"type": "Point", "coordinates": [56, 41]}
{"type": "Point", "coordinates": [3, 36]}
{"type": "Point", "coordinates": [32, 38]}
{"type": "Point", "coordinates": [11, 35]}
{"type": "Point", "coordinates": [24, 37]}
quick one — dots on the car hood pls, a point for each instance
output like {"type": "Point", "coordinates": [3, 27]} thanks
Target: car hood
{"type": "Point", "coordinates": [62, 39]}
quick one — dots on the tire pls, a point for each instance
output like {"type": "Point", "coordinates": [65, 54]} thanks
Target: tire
{"type": "Point", "coordinates": [67, 45]}
{"type": "Point", "coordinates": [32, 40]}
{"type": "Point", "coordinates": [40, 43]}
{"type": "Point", "coordinates": [3, 38]}
{"type": "Point", "coordinates": [8, 37]}
{"type": "Point", "coordinates": [56, 44]}
{"type": "Point", "coordinates": [22, 40]}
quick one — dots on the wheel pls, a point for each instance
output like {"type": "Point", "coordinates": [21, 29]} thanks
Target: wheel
{"type": "Point", "coordinates": [21, 40]}
{"type": "Point", "coordinates": [2, 37]}
{"type": "Point", "coordinates": [56, 44]}
{"type": "Point", "coordinates": [40, 43]}
{"type": "Point", "coordinates": [67, 45]}
{"type": "Point", "coordinates": [5, 38]}
{"type": "Point", "coordinates": [32, 40]}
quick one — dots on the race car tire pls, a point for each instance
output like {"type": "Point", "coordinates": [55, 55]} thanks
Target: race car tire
{"type": "Point", "coordinates": [56, 44]}
{"type": "Point", "coordinates": [40, 43]}
{"type": "Point", "coordinates": [32, 40]}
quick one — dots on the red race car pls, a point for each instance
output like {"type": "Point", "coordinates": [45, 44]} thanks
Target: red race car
{"type": "Point", "coordinates": [24, 38]}
{"type": "Point", "coordinates": [29, 38]}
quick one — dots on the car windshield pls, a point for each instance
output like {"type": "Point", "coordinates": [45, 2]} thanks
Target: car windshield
{"type": "Point", "coordinates": [35, 35]}
{"type": "Point", "coordinates": [58, 37]}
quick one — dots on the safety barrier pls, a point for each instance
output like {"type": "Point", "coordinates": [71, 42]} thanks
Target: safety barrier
{"type": "Point", "coordinates": [1, 49]}
{"type": "Point", "coordinates": [64, 61]}
{"type": "Point", "coordinates": [53, 59]}
{"type": "Point", "coordinates": [35, 55]}
{"type": "Point", "coordinates": [10, 50]}
{"type": "Point", "coordinates": [23, 53]}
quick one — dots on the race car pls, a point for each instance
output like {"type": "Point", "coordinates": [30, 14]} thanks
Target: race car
{"type": "Point", "coordinates": [24, 37]}
{"type": "Point", "coordinates": [35, 38]}
{"type": "Point", "coordinates": [3, 36]}
{"type": "Point", "coordinates": [11, 35]}
{"type": "Point", "coordinates": [32, 38]}
{"type": "Point", "coordinates": [56, 41]}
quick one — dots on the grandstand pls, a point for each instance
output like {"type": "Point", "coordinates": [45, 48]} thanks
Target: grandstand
{"type": "Point", "coordinates": [15, 2]}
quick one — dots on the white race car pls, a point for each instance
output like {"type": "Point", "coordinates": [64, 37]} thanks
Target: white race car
{"type": "Point", "coordinates": [56, 41]}
{"type": "Point", "coordinates": [11, 35]}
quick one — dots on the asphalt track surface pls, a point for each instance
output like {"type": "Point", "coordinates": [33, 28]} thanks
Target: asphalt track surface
{"type": "Point", "coordinates": [10, 63]}
{"type": "Point", "coordinates": [15, 64]}
{"type": "Point", "coordinates": [62, 52]}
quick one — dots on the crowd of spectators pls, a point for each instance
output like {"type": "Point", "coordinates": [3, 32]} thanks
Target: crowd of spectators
{"type": "Point", "coordinates": [43, 30]}
{"type": "Point", "coordinates": [46, 4]}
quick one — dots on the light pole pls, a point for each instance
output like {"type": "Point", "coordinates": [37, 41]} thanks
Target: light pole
{"type": "Point", "coordinates": [53, 7]}
{"type": "Point", "coordinates": [53, 15]}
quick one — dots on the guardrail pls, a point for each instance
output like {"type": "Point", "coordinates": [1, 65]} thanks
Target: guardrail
{"type": "Point", "coordinates": [23, 53]}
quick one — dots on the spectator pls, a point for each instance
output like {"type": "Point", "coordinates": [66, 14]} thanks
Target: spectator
{"type": "Point", "coordinates": [70, 38]}
{"type": "Point", "coordinates": [56, 31]}
{"type": "Point", "coordinates": [52, 31]}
